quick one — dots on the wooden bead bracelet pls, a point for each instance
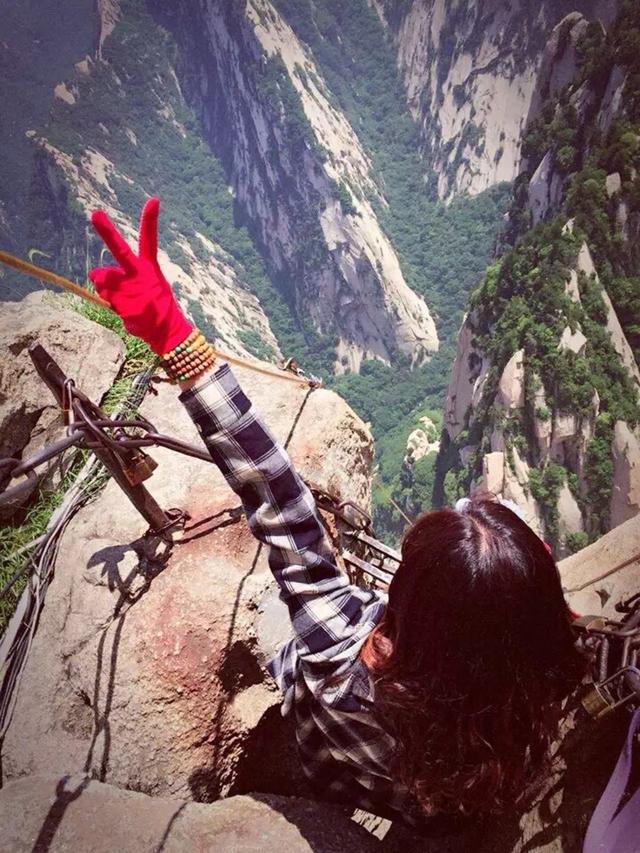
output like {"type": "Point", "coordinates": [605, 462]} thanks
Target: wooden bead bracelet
{"type": "Point", "coordinates": [188, 359]}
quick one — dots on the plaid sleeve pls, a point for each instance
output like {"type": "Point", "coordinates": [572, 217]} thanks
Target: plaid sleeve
{"type": "Point", "coordinates": [325, 609]}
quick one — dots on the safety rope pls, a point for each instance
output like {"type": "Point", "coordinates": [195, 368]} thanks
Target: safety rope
{"type": "Point", "coordinates": [623, 565]}
{"type": "Point", "coordinates": [287, 375]}
{"type": "Point", "coordinates": [50, 277]}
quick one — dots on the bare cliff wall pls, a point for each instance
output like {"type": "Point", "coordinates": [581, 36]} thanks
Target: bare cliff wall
{"type": "Point", "coordinates": [221, 110]}
{"type": "Point", "coordinates": [300, 176]}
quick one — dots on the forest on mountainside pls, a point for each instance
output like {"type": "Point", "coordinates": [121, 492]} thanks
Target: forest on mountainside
{"type": "Point", "coordinates": [523, 303]}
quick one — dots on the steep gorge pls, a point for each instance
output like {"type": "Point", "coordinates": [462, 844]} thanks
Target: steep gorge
{"type": "Point", "coordinates": [299, 194]}
{"type": "Point", "coordinates": [301, 178]}
{"type": "Point", "coordinates": [305, 125]}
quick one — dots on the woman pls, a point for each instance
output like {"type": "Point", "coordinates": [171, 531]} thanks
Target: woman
{"type": "Point", "coordinates": [444, 695]}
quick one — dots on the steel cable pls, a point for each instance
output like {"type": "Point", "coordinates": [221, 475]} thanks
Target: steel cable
{"type": "Point", "coordinates": [19, 635]}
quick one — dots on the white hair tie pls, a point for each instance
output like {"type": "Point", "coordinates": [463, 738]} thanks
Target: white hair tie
{"type": "Point", "coordinates": [462, 504]}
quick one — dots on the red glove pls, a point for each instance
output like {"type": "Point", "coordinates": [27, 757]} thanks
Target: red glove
{"type": "Point", "coordinates": [137, 290]}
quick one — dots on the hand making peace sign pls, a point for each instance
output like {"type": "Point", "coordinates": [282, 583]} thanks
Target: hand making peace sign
{"type": "Point", "coordinates": [136, 289]}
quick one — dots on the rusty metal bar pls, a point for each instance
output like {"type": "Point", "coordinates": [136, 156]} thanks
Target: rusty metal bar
{"type": "Point", "coordinates": [361, 565]}
{"type": "Point", "coordinates": [616, 645]}
{"type": "Point", "coordinates": [115, 463]}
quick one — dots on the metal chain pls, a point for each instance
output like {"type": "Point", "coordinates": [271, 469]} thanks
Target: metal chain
{"type": "Point", "coordinates": [119, 442]}
{"type": "Point", "coordinates": [615, 650]}
{"type": "Point", "coordinates": [18, 637]}
{"type": "Point", "coordinates": [368, 561]}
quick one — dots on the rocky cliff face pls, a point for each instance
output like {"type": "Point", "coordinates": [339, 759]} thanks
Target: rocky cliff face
{"type": "Point", "coordinates": [542, 406]}
{"type": "Point", "coordinates": [509, 421]}
{"type": "Point", "coordinates": [302, 179]}
{"type": "Point", "coordinates": [80, 813]}
{"type": "Point", "coordinates": [29, 415]}
{"type": "Point", "coordinates": [147, 667]}
{"type": "Point", "coordinates": [473, 72]}
{"type": "Point", "coordinates": [287, 165]}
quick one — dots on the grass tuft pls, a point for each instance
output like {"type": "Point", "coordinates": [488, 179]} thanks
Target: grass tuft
{"type": "Point", "coordinates": [13, 537]}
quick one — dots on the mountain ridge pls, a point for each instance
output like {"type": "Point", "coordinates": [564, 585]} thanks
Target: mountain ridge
{"type": "Point", "coordinates": [543, 403]}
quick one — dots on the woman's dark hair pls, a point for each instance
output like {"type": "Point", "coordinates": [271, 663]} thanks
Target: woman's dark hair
{"type": "Point", "coordinates": [472, 659]}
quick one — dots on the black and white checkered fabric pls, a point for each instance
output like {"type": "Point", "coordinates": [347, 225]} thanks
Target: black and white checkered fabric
{"type": "Point", "coordinates": [344, 751]}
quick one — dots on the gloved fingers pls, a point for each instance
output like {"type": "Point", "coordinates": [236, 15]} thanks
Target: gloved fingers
{"type": "Point", "coordinates": [107, 280]}
{"type": "Point", "coordinates": [148, 237]}
{"type": "Point", "coordinates": [114, 241]}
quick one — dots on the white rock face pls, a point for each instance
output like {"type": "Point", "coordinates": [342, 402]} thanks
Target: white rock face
{"type": "Point", "coordinates": [572, 288]}
{"type": "Point", "coordinates": [109, 12]}
{"type": "Point", "coordinates": [371, 321]}
{"type": "Point", "coordinates": [506, 475]}
{"type": "Point", "coordinates": [419, 442]}
{"type": "Point", "coordinates": [516, 489]}
{"type": "Point", "coordinates": [472, 76]}
{"type": "Point", "coordinates": [583, 100]}
{"type": "Point", "coordinates": [619, 547]}
{"type": "Point", "coordinates": [466, 381]}
{"type": "Point", "coordinates": [572, 341]}
{"type": "Point", "coordinates": [358, 290]}
{"type": "Point", "coordinates": [493, 473]}
{"type": "Point", "coordinates": [625, 500]}
{"type": "Point", "coordinates": [621, 345]}
{"type": "Point", "coordinates": [560, 59]}
{"type": "Point", "coordinates": [223, 297]}
{"type": "Point", "coordinates": [351, 239]}
{"type": "Point", "coordinates": [481, 89]}
{"type": "Point", "coordinates": [613, 184]}
{"type": "Point", "coordinates": [64, 94]}
{"type": "Point", "coordinates": [612, 98]}
{"type": "Point", "coordinates": [545, 189]}
{"type": "Point", "coordinates": [622, 218]}
{"type": "Point", "coordinates": [570, 517]}
{"type": "Point", "coordinates": [541, 426]}
{"type": "Point", "coordinates": [570, 438]}
{"type": "Point", "coordinates": [511, 388]}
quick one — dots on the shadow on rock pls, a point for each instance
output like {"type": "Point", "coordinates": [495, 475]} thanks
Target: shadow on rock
{"type": "Point", "coordinates": [66, 793]}
{"type": "Point", "coordinates": [152, 555]}
{"type": "Point", "coordinates": [270, 761]}
{"type": "Point", "coordinates": [325, 828]}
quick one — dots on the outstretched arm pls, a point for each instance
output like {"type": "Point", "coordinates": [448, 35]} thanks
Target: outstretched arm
{"type": "Point", "coordinates": [325, 608]}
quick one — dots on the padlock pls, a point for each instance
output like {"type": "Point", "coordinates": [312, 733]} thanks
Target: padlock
{"type": "Point", "coordinates": [598, 702]}
{"type": "Point", "coordinates": [140, 467]}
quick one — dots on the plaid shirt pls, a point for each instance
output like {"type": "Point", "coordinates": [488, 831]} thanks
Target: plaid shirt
{"type": "Point", "coordinates": [343, 750]}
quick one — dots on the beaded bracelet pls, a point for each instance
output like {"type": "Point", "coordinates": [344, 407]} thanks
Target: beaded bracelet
{"type": "Point", "coordinates": [185, 345]}
{"type": "Point", "coordinates": [188, 359]}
